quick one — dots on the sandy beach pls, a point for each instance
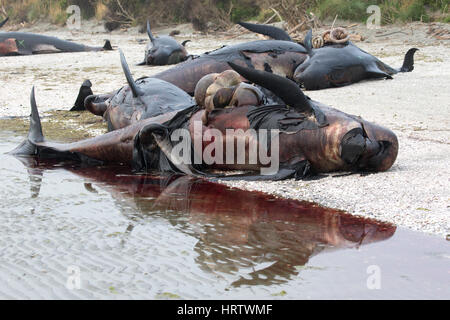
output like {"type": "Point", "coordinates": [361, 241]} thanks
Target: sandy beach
{"type": "Point", "coordinates": [414, 193]}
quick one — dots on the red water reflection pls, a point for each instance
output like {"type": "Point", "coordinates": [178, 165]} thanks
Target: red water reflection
{"type": "Point", "coordinates": [236, 230]}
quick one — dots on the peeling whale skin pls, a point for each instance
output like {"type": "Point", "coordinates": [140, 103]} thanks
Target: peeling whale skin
{"type": "Point", "coordinates": [321, 149]}
{"type": "Point", "coordinates": [160, 97]}
{"type": "Point", "coordinates": [31, 43]}
{"type": "Point", "coordinates": [140, 99]}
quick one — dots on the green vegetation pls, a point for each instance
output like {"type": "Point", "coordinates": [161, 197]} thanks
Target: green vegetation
{"type": "Point", "coordinates": [221, 12]}
{"type": "Point", "coordinates": [391, 11]}
{"type": "Point", "coordinates": [244, 9]}
{"type": "Point", "coordinates": [351, 10]}
{"type": "Point", "coordinates": [51, 10]}
{"type": "Point", "coordinates": [167, 296]}
{"type": "Point", "coordinates": [281, 293]}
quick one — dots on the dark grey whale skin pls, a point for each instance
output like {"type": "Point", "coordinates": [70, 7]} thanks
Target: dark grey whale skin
{"type": "Point", "coordinates": [32, 43]}
{"type": "Point", "coordinates": [186, 74]}
{"type": "Point", "coordinates": [163, 50]}
{"type": "Point", "coordinates": [343, 64]}
{"type": "Point", "coordinates": [333, 65]}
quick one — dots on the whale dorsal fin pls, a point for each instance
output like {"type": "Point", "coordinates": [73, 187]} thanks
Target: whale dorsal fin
{"type": "Point", "coordinates": [35, 133]}
{"type": "Point", "coordinates": [134, 88]}
{"type": "Point", "coordinates": [149, 32]}
{"type": "Point", "coordinates": [307, 42]}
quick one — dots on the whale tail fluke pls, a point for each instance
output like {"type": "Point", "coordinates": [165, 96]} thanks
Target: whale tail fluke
{"type": "Point", "coordinates": [408, 62]}
{"type": "Point", "coordinates": [85, 91]}
{"type": "Point", "coordinates": [107, 46]}
{"type": "Point", "coordinates": [184, 42]}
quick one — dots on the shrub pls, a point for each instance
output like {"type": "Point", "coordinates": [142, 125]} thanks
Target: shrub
{"type": "Point", "coordinates": [350, 10]}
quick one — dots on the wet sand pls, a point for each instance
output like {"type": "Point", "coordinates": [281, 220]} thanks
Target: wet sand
{"type": "Point", "coordinates": [103, 233]}
{"type": "Point", "coordinates": [414, 193]}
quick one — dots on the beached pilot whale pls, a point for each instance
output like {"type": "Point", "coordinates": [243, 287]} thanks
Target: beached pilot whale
{"type": "Point", "coordinates": [331, 66]}
{"type": "Point", "coordinates": [313, 138]}
{"type": "Point", "coordinates": [335, 65]}
{"type": "Point", "coordinates": [24, 43]}
{"type": "Point", "coordinates": [140, 99]}
{"type": "Point", "coordinates": [163, 50]}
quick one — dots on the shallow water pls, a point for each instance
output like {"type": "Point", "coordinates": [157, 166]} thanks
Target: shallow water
{"type": "Point", "coordinates": [140, 236]}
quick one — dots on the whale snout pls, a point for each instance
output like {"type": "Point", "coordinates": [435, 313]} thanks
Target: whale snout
{"type": "Point", "coordinates": [369, 148]}
{"type": "Point", "coordinates": [164, 51]}
{"type": "Point", "coordinates": [386, 155]}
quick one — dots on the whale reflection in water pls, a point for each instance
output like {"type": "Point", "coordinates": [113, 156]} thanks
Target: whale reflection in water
{"type": "Point", "coordinates": [260, 239]}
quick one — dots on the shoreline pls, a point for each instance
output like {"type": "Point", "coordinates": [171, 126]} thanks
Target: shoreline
{"type": "Point", "coordinates": [414, 193]}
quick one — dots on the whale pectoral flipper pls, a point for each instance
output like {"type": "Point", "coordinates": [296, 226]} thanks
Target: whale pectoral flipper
{"type": "Point", "coordinates": [285, 89]}
{"type": "Point", "coordinates": [153, 150]}
{"type": "Point", "coordinates": [146, 155]}
{"type": "Point", "coordinates": [378, 71]}
{"type": "Point", "coordinates": [378, 75]}
{"type": "Point", "coordinates": [45, 48]}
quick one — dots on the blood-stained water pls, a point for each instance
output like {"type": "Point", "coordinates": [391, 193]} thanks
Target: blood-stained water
{"type": "Point", "coordinates": [149, 236]}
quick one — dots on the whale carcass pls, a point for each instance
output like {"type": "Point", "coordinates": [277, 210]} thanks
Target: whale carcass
{"type": "Point", "coordinates": [312, 138]}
